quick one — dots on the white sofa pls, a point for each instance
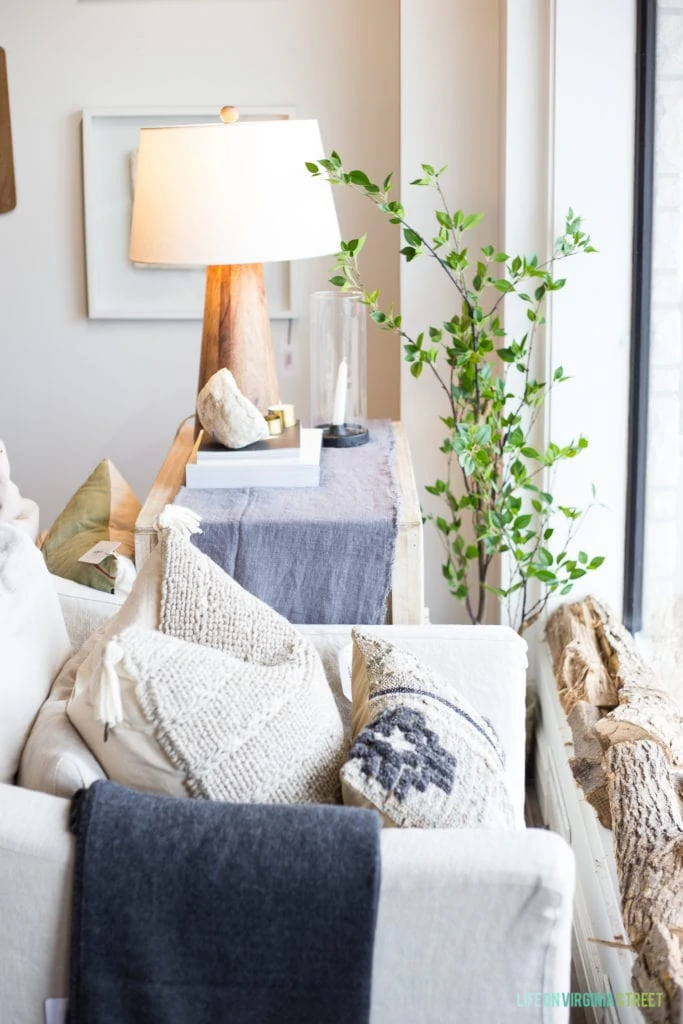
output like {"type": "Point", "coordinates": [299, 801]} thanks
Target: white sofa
{"type": "Point", "coordinates": [470, 922]}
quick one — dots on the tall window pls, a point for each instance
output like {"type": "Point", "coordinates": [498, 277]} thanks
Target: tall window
{"type": "Point", "coordinates": [654, 584]}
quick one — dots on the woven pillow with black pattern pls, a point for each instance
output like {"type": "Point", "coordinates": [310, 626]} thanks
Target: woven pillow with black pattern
{"type": "Point", "coordinates": [421, 754]}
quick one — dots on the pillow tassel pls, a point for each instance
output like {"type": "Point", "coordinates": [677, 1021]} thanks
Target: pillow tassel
{"type": "Point", "coordinates": [109, 706]}
{"type": "Point", "coordinates": [178, 517]}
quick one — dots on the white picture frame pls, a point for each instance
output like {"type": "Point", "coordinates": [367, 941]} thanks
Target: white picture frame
{"type": "Point", "coordinates": [116, 288]}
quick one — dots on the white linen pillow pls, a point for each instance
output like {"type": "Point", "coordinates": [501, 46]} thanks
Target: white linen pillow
{"type": "Point", "coordinates": [140, 609]}
{"type": "Point", "coordinates": [33, 642]}
{"type": "Point", "coordinates": [421, 754]}
{"type": "Point", "coordinates": [55, 759]}
{"type": "Point", "coordinates": [125, 577]}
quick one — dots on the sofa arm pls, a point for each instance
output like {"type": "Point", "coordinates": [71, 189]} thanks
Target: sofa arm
{"type": "Point", "coordinates": [36, 870]}
{"type": "Point", "coordinates": [470, 923]}
{"type": "Point", "coordinates": [467, 920]}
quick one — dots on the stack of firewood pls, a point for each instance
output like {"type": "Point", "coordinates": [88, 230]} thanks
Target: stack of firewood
{"type": "Point", "coordinates": [628, 745]}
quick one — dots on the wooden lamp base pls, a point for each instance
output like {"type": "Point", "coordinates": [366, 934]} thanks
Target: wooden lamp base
{"type": "Point", "coordinates": [236, 333]}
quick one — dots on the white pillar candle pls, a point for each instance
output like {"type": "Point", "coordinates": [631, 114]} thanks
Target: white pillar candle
{"type": "Point", "coordinates": [339, 407]}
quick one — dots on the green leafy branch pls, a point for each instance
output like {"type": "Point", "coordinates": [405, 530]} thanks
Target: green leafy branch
{"type": "Point", "coordinates": [493, 399]}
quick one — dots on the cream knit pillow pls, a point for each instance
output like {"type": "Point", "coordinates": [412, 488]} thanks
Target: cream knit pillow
{"type": "Point", "coordinates": [224, 728]}
{"type": "Point", "coordinates": [421, 754]}
{"type": "Point", "coordinates": [184, 594]}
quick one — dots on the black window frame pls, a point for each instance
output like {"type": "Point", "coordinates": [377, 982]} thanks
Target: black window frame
{"type": "Point", "coordinates": [641, 293]}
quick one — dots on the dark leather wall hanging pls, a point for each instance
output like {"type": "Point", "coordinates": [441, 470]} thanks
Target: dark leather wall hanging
{"type": "Point", "coordinates": [8, 192]}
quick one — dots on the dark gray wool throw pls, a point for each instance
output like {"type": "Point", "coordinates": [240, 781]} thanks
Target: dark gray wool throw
{"type": "Point", "coordinates": [195, 912]}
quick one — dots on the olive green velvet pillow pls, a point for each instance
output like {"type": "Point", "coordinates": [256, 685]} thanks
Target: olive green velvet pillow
{"type": "Point", "coordinates": [104, 508]}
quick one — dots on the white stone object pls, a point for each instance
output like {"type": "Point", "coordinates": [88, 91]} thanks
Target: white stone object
{"type": "Point", "coordinates": [10, 498]}
{"type": "Point", "coordinates": [226, 413]}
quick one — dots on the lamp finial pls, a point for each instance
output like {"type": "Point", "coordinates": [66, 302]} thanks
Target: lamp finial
{"type": "Point", "coordinates": [229, 115]}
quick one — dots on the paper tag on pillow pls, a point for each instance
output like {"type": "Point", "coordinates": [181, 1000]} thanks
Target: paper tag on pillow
{"type": "Point", "coordinates": [55, 1011]}
{"type": "Point", "coordinates": [100, 551]}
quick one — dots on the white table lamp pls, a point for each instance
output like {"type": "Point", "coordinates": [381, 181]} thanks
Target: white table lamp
{"type": "Point", "coordinates": [232, 197]}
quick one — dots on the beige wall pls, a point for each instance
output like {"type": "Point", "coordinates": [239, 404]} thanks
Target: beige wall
{"type": "Point", "coordinates": [451, 113]}
{"type": "Point", "coordinates": [73, 390]}
{"type": "Point", "coordinates": [491, 88]}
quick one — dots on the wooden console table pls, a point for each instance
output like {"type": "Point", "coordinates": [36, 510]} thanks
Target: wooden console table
{"type": "Point", "coordinates": [407, 586]}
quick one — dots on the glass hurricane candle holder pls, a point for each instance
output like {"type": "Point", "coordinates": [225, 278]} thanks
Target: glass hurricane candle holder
{"type": "Point", "coordinates": [339, 368]}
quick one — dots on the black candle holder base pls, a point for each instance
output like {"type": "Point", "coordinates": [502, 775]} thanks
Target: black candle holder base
{"type": "Point", "coordinates": [344, 435]}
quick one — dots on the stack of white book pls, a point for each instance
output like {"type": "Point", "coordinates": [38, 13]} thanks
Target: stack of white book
{"type": "Point", "coordinates": [291, 459]}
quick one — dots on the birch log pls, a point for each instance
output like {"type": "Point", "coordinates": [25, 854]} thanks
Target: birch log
{"type": "Point", "coordinates": [642, 743]}
{"type": "Point", "coordinates": [617, 647]}
{"type": "Point", "coordinates": [648, 843]}
{"type": "Point", "coordinates": [645, 711]}
{"type": "Point", "coordinates": [660, 958]}
{"type": "Point", "coordinates": [596, 660]}
{"type": "Point", "coordinates": [579, 669]}
{"type": "Point", "coordinates": [645, 714]}
{"type": "Point", "coordinates": [587, 763]}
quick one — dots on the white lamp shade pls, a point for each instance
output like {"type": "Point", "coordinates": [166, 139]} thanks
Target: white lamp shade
{"type": "Point", "coordinates": [231, 193]}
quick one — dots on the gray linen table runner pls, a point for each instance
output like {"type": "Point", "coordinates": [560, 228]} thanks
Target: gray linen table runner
{"type": "Point", "coordinates": [315, 554]}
